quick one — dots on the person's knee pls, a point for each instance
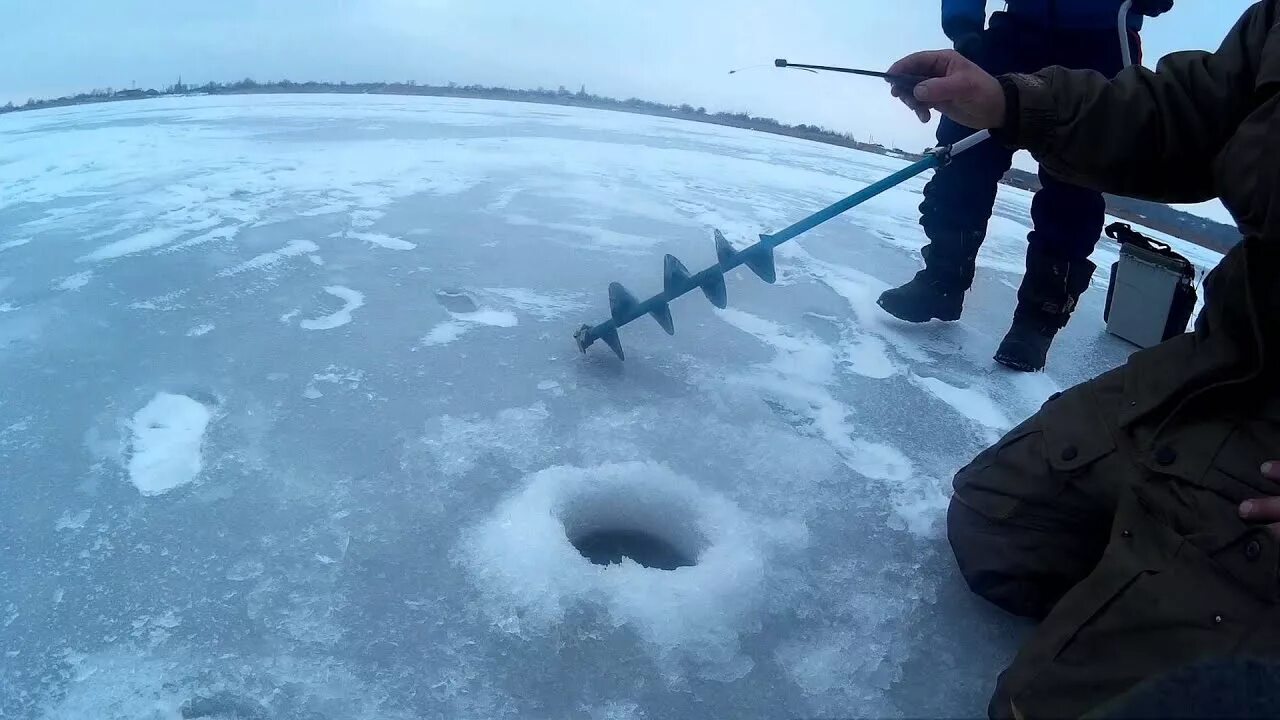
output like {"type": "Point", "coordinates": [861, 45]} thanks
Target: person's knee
{"type": "Point", "coordinates": [989, 560]}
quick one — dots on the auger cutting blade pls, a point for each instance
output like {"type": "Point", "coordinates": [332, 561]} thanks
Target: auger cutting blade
{"type": "Point", "coordinates": [715, 292]}
{"type": "Point", "coordinates": [760, 260]}
{"type": "Point", "coordinates": [675, 276]}
{"type": "Point", "coordinates": [610, 338]}
{"type": "Point", "coordinates": [724, 250]}
{"type": "Point", "coordinates": [621, 302]}
{"type": "Point", "coordinates": [662, 313]}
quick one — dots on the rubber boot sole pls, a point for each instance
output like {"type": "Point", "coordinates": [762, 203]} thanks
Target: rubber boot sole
{"type": "Point", "coordinates": [949, 314]}
{"type": "Point", "coordinates": [1020, 356]}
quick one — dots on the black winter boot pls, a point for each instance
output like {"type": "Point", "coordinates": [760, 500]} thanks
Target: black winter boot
{"type": "Point", "coordinates": [937, 291]}
{"type": "Point", "coordinates": [1046, 298]}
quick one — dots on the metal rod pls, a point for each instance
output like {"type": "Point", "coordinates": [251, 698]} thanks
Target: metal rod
{"type": "Point", "coordinates": [1122, 25]}
{"type": "Point", "coordinates": [894, 78]}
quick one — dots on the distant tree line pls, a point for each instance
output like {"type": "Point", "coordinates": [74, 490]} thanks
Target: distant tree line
{"type": "Point", "coordinates": [1161, 217]}
{"type": "Point", "coordinates": [559, 96]}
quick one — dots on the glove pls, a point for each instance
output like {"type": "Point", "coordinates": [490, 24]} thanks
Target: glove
{"type": "Point", "coordinates": [1152, 8]}
{"type": "Point", "coordinates": [970, 46]}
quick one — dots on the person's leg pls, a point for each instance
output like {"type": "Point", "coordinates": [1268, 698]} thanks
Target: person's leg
{"type": "Point", "coordinates": [1067, 222]}
{"type": "Point", "coordinates": [954, 213]}
{"type": "Point", "coordinates": [1031, 514]}
{"type": "Point", "coordinates": [957, 205]}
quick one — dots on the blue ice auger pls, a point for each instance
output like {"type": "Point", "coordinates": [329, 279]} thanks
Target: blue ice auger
{"type": "Point", "coordinates": [676, 279]}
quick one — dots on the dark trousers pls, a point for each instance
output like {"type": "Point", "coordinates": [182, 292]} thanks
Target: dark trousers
{"type": "Point", "coordinates": [1067, 220]}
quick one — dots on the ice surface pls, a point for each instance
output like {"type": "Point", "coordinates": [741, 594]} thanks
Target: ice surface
{"type": "Point", "coordinates": [310, 438]}
{"type": "Point", "coordinates": [165, 450]}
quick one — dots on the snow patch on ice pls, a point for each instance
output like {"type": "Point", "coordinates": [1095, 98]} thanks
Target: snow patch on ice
{"type": "Point", "coordinates": [75, 282]}
{"type": "Point", "coordinates": [69, 521]}
{"type": "Point", "coordinates": [165, 450]}
{"type": "Point", "coordinates": [143, 241]}
{"type": "Point", "coordinates": [345, 378]}
{"type": "Point", "coordinates": [8, 244]}
{"type": "Point", "coordinates": [383, 240]}
{"type": "Point", "coordinates": [800, 375]}
{"type": "Point", "coordinates": [160, 302]}
{"type": "Point", "coordinates": [874, 332]}
{"type": "Point", "coordinates": [454, 445]}
{"type": "Point", "coordinates": [462, 323]}
{"type": "Point", "coordinates": [542, 305]}
{"type": "Point", "coordinates": [293, 248]}
{"type": "Point", "coordinates": [352, 300]}
{"type": "Point", "coordinates": [220, 234]}
{"type": "Point", "coordinates": [199, 330]}
{"type": "Point", "coordinates": [8, 307]}
{"type": "Point", "coordinates": [969, 402]}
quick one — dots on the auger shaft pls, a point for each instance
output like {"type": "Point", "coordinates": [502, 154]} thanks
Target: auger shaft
{"type": "Point", "coordinates": [758, 257]}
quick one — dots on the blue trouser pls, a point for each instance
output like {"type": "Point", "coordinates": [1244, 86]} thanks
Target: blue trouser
{"type": "Point", "coordinates": [1067, 220]}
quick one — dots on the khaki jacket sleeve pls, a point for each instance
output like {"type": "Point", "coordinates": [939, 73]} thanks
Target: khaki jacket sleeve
{"type": "Point", "coordinates": [1144, 134]}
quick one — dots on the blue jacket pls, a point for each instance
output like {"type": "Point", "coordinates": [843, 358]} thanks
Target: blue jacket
{"type": "Point", "coordinates": [962, 17]}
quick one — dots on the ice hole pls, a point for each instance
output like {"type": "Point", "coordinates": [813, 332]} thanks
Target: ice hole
{"type": "Point", "coordinates": [652, 528]}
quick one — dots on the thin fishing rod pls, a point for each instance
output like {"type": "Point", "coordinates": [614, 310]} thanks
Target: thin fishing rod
{"type": "Point", "coordinates": [900, 79]}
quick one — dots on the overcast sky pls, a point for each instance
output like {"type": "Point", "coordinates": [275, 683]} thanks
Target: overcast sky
{"type": "Point", "coordinates": [666, 50]}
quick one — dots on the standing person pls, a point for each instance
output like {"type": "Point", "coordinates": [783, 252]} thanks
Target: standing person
{"type": "Point", "coordinates": [1137, 515]}
{"type": "Point", "coordinates": [1067, 220]}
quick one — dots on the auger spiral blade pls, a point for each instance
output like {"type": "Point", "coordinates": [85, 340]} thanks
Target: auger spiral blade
{"type": "Point", "coordinates": [713, 288]}
{"type": "Point", "coordinates": [662, 313]}
{"type": "Point", "coordinates": [675, 276]}
{"type": "Point", "coordinates": [724, 251]}
{"type": "Point", "coordinates": [621, 302]}
{"type": "Point", "coordinates": [759, 258]}
{"type": "Point", "coordinates": [624, 307]}
{"type": "Point", "coordinates": [610, 338]}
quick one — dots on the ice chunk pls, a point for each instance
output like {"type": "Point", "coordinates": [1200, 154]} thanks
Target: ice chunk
{"type": "Point", "coordinates": [166, 446]}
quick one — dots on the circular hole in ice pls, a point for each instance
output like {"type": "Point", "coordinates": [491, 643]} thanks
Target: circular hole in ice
{"type": "Point", "coordinates": [650, 527]}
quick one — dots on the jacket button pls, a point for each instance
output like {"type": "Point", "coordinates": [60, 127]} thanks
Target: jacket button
{"type": "Point", "coordinates": [1070, 453]}
{"type": "Point", "coordinates": [1166, 455]}
{"type": "Point", "coordinates": [1126, 534]}
{"type": "Point", "coordinates": [1253, 550]}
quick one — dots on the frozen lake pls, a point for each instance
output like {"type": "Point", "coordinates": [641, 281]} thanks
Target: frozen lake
{"type": "Point", "coordinates": [292, 424]}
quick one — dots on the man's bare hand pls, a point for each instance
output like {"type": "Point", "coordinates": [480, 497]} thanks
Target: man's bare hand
{"type": "Point", "coordinates": [1265, 509]}
{"type": "Point", "coordinates": [957, 88]}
